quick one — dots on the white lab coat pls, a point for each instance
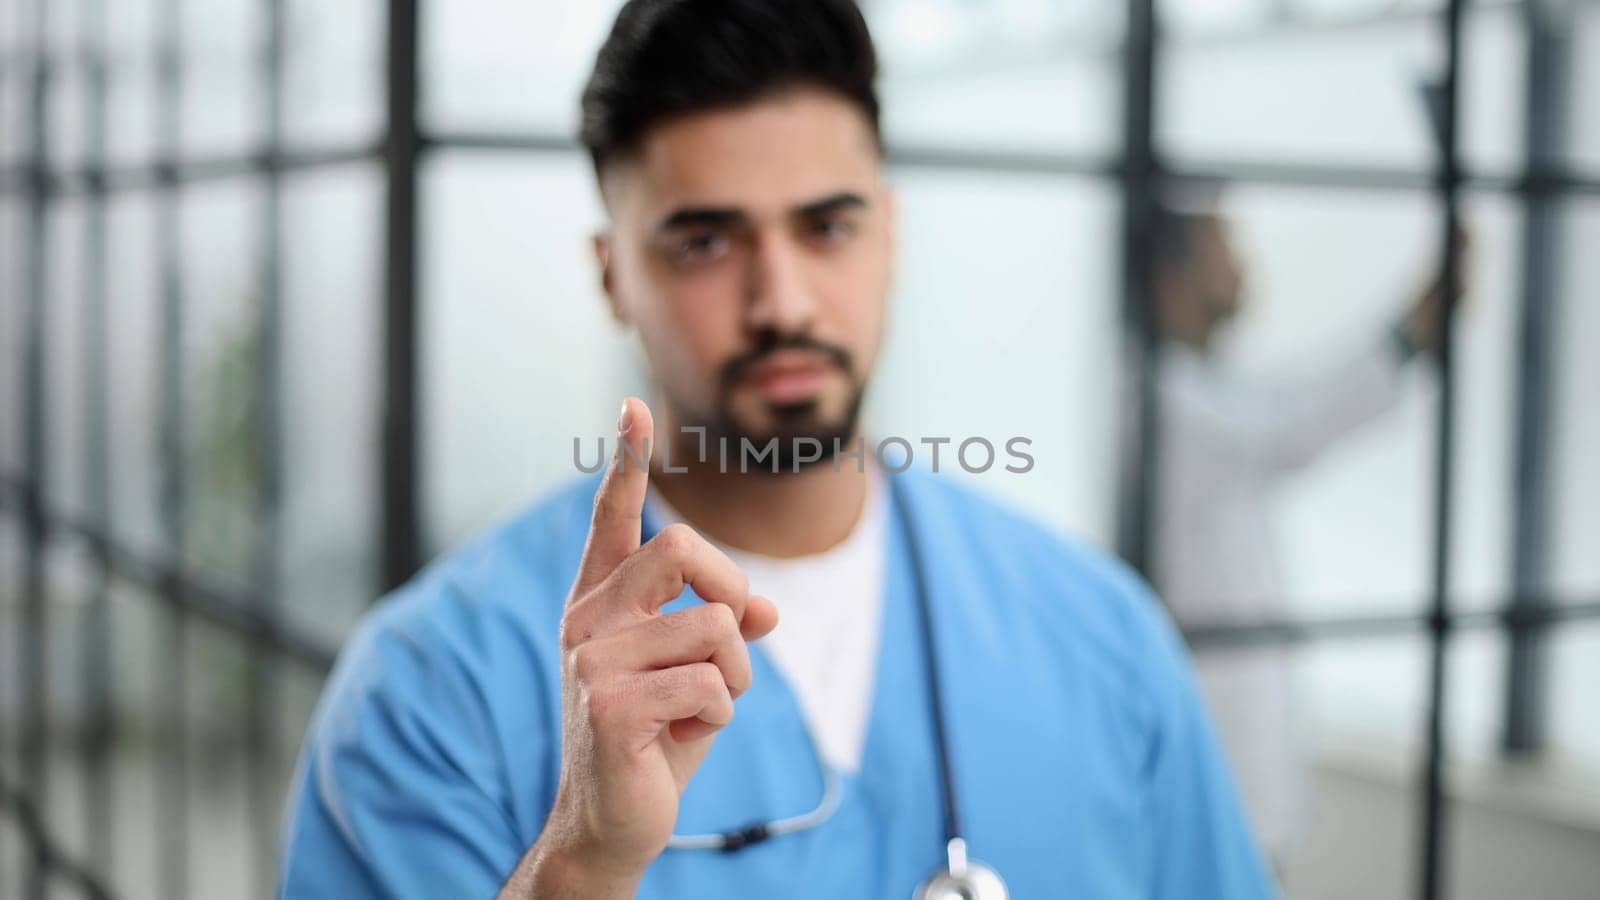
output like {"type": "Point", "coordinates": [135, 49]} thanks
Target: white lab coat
{"type": "Point", "coordinates": [1226, 442]}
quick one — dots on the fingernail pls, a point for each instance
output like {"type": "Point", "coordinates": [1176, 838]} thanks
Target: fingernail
{"type": "Point", "coordinates": [625, 419]}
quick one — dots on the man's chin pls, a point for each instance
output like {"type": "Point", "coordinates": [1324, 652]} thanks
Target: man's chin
{"type": "Point", "coordinates": [814, 415]}
{"type": "Point", "coordinates": [796, 445]}
{"type": "Point", "coordinates": [818, 425]}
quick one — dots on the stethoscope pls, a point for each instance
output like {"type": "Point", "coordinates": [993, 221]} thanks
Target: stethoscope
{"type": "Point", "coordinates": [961, 877]}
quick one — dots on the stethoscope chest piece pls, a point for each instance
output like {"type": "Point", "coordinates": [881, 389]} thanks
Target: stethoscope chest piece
{"type": "Point", "coordinates": [962, 879]}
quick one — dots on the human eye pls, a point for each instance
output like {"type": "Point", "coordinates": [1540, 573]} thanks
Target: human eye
{"type": "Point", "coordinates": [698, 248]}
{"type": "Point", "coordinates": [830, 230]}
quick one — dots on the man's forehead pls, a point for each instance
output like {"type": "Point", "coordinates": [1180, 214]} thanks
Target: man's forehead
{"type": "Point", "coordinates": [767, 156]}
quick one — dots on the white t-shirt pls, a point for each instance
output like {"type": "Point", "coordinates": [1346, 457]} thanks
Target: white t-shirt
{"type": "Point", "coordinates": [831, 609]}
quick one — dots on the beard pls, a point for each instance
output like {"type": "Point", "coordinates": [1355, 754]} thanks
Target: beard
{"type": "Point", "coordinates": [795, 425]}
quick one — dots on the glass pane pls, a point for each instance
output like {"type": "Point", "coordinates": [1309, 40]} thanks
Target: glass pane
{"type": "Point", "coordinates": [133, 304]}
{"type": "Point", "coordinates": [138, 623]}
{"type": "Point", "coordinates": [329, 396]}
{"type": "Point", "coordinates": [13, 326]}
{"type": "Point", "coordinates": [16, 38]}
{"type": "Point", "coordinates": [66, 383]}
{"type": "Point", "coordinates": [1008, 75]}
{"type": "Point", "coordinates": [1493, 79]}
{"type": "Point", "coordinates": [513, 312]}
{"type": "Point", "coordinates": [68, 131]}
{"type": "Point", "coordinates": [1487, 369]}
{"type": "Point", "coordinates": [1352, 12]}
{"type": "Point", "coordinates": [968, 328]}
{"type": "Point", "coordinates": [1356, 720]}
{"type": "Point", "coordinates": [1574, 671]}
{"type": "Point", "coordinates": [14, 857]}
{"type": "Point", "coordinates": [1526, 829]}
{"type": "Point", "coordinates": [13, 108]}
{"type": "Point", "coordinates": [298, 690]}
{"type": "Point", "coordinates": [132, 29]}
{"type": "Point", "coordinates": [219, 286]}
{"type": "Point", "coordinates": [223, 109]}
{"type": "Point", "coordinates": [67, 571]}
{"type": "Point", "coordinates": [1583, 98]}
{"type": "Point", "coordinates": [1475, 702]}
{"type": "Point", "coordinates": [333, 71]}
{"type": "Point", "coordinates": [1285, 429]}
{"type": "Point", "coordinates": [1213, 17]}
{"type": "Point", "coordinates": [12, 559]}
{"type": "Point", "coordinates": [218, 837]}
{"type": "Point", "coordinates": [62, 20]}
{"type": "Point", "coordinates": [1318, 92]}
{"type": "Point", "coordinates": [509, 63]}
{"type": "Point", "coordinates": [68, 95]}
{"type": "Point", "coordinates": [1573, 481]}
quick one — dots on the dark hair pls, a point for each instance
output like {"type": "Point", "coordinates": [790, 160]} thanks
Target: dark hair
{"type": "Point", "coordinates": [666, 58]}
{"type": "Point", "coordinates": [1177, 216]}
{"type": "Point", "coordinates": [1172, 236]}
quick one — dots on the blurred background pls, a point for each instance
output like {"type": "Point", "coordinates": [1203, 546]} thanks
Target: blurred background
{"type": "Point", "coordinates": [296, 295]}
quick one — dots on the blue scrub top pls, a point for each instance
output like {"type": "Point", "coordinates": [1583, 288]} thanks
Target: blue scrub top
{"type": "Point", "coordinates": [1083, 762]}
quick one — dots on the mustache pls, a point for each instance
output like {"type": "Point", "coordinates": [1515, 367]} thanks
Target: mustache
{"type": "Point", "coordinates": [770, 343]}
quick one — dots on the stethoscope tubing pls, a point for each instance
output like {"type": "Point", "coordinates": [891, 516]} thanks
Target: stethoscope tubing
{"type": "Point", "coordinates": [740, 838]}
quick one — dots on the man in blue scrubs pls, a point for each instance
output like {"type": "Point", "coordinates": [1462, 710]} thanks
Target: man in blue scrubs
{"type": "Point", "coordinates": [596, 700]}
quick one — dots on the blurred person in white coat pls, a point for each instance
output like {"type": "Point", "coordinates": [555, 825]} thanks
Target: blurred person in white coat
{"type": "Point", "coordinates": [1227, 442]}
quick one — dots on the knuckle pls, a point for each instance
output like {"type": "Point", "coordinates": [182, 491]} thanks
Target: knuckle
{"type": "Point", "coordinates": [582, 662]}
{"type": "Point", "coordinates": [575, 629]}
{"type": "Point", "coordinates": [677, 541]}
{"type": "Point", "coordinates": [667, 626]}
{"type": "Point", "coordinates": [601, 704]}
{"type": "Point", "coordinates": [705, 677]}
{"type": "Point", "coordinates": [592, 707]}
{"type": "Point", "coordinates": [662, 688]}
{"type": "Point", "coordinates": [724, 623]}
{"type": "Point", "coordinates": [741, 678]}
{"type": "Point", "coordinates": [566, 635]}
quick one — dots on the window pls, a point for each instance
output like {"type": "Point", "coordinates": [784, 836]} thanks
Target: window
{"type": "Point", "coordinates": [257, 369]}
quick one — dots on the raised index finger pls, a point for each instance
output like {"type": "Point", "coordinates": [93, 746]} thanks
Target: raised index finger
{"type": "Point", "coordinates": [619, 503]}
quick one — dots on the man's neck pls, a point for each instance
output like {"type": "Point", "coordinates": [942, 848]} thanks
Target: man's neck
{"type": "Point", "coordinates": [783, 514]}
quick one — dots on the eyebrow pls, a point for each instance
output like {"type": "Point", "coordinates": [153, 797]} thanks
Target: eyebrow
{"type": "Point", "coordinates": [723, 216]}
{"type": "Point", "coordinates": [832, 203]}
{"type": "Point", "coordinates": [701, 216]}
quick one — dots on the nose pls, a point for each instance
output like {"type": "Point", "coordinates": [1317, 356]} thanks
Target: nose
{"type": "Point", "coordinates": [780, 296]}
